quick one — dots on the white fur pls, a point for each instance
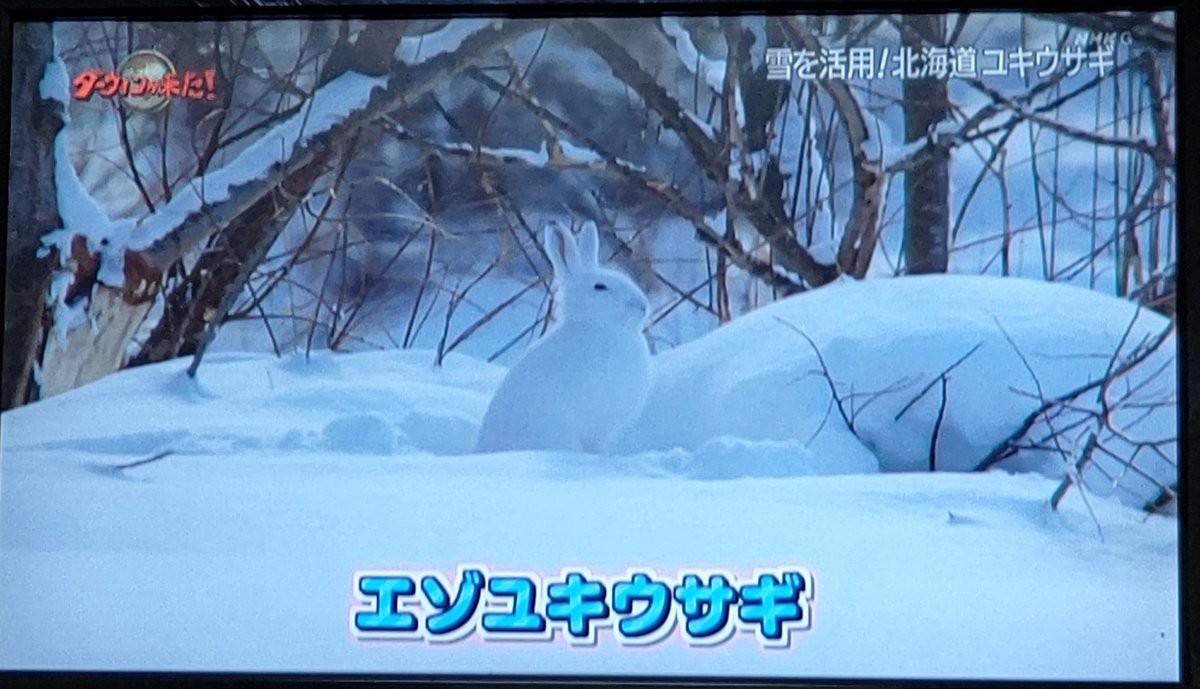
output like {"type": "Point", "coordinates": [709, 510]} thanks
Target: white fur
{"type": "Point", "coordinates": [588, 378]}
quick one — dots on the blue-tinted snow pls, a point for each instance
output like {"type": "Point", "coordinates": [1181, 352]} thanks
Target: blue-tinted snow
{"type": "Point", "coordinates": [313, 468]}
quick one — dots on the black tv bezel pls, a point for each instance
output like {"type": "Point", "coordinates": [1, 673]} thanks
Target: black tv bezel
{"type": "Point", "coordinates": [1187, 102]}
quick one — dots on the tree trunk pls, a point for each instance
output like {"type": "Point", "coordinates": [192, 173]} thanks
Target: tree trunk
{"type": "Point", "coordinates": [35, 124]}
{"type": "Point", "coordinates": [927, 185]}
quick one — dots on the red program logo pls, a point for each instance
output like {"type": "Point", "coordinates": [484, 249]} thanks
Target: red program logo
{"type": "Point", "coordinates": [146, 80]}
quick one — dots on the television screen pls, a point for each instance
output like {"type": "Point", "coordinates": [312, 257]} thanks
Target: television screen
{"type": "Point", "coordinates": [829, 347]}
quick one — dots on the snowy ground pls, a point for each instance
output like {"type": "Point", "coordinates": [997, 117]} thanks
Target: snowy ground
{"type": "Point", "coordinates": [237, 550]}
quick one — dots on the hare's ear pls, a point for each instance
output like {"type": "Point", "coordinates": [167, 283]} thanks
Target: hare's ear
{"type": "Point", "coordinates": [561, 249]}
{"type": "Point", "coordinates": [589, 244]}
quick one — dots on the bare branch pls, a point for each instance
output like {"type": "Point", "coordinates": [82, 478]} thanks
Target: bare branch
{"type": "Point", "coordinates": [862, 228]}
{"type": "Point", "coordinates": [841, 407]}
{"type": "Point", "coordinates": [406, 86]}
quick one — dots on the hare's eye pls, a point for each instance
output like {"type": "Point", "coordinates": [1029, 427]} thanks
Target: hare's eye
{"type": "Point", "coordinates": [600, 287]}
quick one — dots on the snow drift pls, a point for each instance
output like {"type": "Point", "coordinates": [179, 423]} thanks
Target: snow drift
{"type": "Point", "coordinates": [315, 468]}
{"type": "Point", "coordinates": [1005, 346]}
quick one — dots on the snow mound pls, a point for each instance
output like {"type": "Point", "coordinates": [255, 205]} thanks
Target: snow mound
{"type": "Point", "coordinates": [1004, 346]}
{"type": "Point", "coordinates": [362, 434]}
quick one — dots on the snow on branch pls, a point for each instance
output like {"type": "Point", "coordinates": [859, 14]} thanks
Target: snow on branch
{"type": "Point", "coordinates": [420, 47]}
{"type": "Point", "coordinates": [565, 153]}
{"type": "Point", "coordinates": [328, 106]}
{"type": "Point", "coordinates": [712, 71]}
{"type": "Point", "coordinates": [1156, 151]}
{"type": "Point", "coordinates": [709, 155]}
{"type": "Point", "coordinates": [82, 243]}
{"type": "Point", "coordinates": [861, 233]}
{"type": "Point", "coordinates": [81, 214]}
{"type": "Point", "coordinates": [948, 135]}
{"type": "Point", "coordinates": [337, 111]}
{"type": "Point", "coordinates": [705, 151]}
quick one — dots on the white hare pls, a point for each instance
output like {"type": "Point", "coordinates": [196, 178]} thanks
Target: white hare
{"type": "Point", "coordinates": [589, 376]}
